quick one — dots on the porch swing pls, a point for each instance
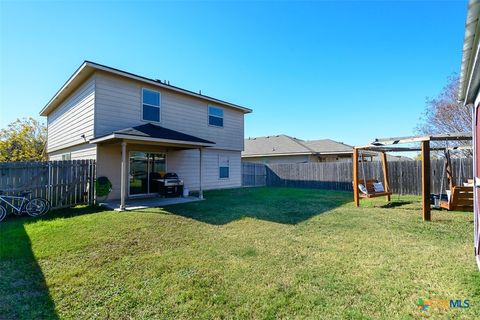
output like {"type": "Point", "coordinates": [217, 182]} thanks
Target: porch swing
{"type": "Point", "coordinates": [371, 188]}
{"type": "Point", "coordinates": [459, 198]}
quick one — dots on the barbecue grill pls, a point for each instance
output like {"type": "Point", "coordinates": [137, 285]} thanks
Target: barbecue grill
{"type": "Point", "coordinates": [170, 185]}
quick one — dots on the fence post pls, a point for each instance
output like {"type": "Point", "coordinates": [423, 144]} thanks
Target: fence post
{"type": "Point", "coordinates": [91, 191]}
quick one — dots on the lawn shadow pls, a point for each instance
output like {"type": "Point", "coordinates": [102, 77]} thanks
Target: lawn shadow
{"type": "Point", "coordinates": [25, 294]}
{"type": "Point", "coordinates": [396, 204]}
{"type": "Point", "coordinates": [280, 205]}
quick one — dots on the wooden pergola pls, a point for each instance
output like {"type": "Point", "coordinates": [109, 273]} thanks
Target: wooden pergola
{"type": "Point", "coordinates": [385, 145]}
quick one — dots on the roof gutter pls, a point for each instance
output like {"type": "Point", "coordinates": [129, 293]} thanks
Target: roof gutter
{"type": "Point", "coordinates": [470, 69]}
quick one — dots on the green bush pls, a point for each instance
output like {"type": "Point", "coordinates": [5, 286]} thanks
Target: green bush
{"type": "Point", "coordinates": [103, 186]}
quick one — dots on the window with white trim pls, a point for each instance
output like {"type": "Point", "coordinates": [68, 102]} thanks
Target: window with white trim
{"type": "Point", "coordinates": [150, 105]}
{"type": "Point", "coordinates": [67, 156]}
{"type": "Point", "coordinates": [215, 116]}
{"type": "Point", "coordinates": [223, 167]}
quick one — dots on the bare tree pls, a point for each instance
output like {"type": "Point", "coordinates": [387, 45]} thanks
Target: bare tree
{"type": "Point", "coordinates": [445, 114]}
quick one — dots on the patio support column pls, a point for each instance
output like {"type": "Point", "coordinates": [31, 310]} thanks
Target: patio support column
{"type": "Point", "coordinates": [426, 181]}
{"type": "Point", "coordinates": [123, 176]}
{"type": "Point", "coordinates": [200, 190]}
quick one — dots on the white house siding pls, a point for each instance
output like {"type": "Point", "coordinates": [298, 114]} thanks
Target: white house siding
{"type": "Point", "coordinates": [185, 163]}
{"type": "Point", "coordinates": [83, 151]}
{"type": "Point", "coordinates": [72, 119]}
{"type": "Point", "coordinates": [119, 99]}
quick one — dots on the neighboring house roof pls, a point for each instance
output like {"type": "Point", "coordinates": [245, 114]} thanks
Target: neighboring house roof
{"type": "Point", "coordinates": [470, 69]}
{"type": "Point", "coordinates": [392, 158]}
{"type": "Point", "coordinates": [328, 146]}
{"type": "Point", "coordinates": [86, 70]}
{"type": "Point", "coordinates": [280, 145]}
{"type": "Point", "coordinates": [151, 132]}
{"type": "Point", "coordinates": [398, 158]}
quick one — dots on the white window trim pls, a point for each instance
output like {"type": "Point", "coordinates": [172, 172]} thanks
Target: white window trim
{"type": "Point", "coordinates": [67, 154]}
{"type": "Point", "coordinates": [220, 166]}
{"type": "Point", "coordinates": [208, 116]}
{"type": "Point", "coordinates": [152, 105]}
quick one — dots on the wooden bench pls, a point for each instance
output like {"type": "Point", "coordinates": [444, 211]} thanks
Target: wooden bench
{"type": "Point", "coordinates": [370, 190]}
{"type": "Point", "coordinates": [461, 199]}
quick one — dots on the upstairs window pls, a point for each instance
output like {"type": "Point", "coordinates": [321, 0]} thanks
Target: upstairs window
{"type": "Point", "coordinates": [215, 116]}
{"type": "Point", "coordinates": [224, 167]}
{"type": "Point", "coordinates": [151, 105]}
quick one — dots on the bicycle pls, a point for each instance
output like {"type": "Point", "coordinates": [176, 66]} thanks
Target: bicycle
{"type": "Point", "coordinates": [33, 207]}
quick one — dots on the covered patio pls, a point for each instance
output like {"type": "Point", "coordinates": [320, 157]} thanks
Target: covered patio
{"type": "Point", "coordinates": [134, 180]}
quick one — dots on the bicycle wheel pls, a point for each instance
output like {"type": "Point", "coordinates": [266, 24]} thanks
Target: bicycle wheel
{"type": "Point", "coordinates": [36, 207]}
{"type": "Point", "coordinates": [47, 207]}
{"type": "Point", "coordinates": [3, 213]}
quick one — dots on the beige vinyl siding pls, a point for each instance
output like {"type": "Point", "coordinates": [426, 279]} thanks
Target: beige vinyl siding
{"type": "Point", "coordinates": [72, 119]}
{"type": "Point", "coordinates": [186, 165]}
{"type": "Point", "coordinates": [80, 152]}
{"type": "Point", "coordinates": [109, 159]}
{"type": "Point", "coordinates": [118, 105]}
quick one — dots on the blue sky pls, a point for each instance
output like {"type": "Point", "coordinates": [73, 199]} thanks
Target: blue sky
{"type": "Point", "coordinates": [350, 71]}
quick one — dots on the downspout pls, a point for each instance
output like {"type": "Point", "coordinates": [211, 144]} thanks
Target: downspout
{"type": "Point", "coordinates": [476, 183]}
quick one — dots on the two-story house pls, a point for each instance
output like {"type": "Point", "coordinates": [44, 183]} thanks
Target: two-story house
{"type": "Point", "coordinates": [138, 128]}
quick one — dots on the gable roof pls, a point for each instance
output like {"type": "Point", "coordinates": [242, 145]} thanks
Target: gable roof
{"type": "Point", "coordinates": [151, 132]}
{"type": "Point", "coordinates": [285, 145]}
{"type": "Point", "coordinates": [87, 68]}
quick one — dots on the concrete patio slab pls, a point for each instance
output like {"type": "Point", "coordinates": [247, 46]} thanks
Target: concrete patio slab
{"type": "Point", "coordinates": [143, 203]}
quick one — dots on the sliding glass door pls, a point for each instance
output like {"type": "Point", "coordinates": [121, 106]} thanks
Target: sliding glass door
{"type": "Point", "coordinates": [145, 168]}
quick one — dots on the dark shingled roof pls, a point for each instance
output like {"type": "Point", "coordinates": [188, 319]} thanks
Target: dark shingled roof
{"type": "Point", "coordinates": [150, 130]}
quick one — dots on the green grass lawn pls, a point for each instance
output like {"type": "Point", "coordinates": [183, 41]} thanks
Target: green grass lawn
{"type": "Point", "coordinates": [242, 253]}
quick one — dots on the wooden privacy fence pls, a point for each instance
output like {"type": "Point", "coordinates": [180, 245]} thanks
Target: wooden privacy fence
{"type": "Point", "coordinates": [63, 183]}
{"type": "Point", "coordinates": [404, 176]}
